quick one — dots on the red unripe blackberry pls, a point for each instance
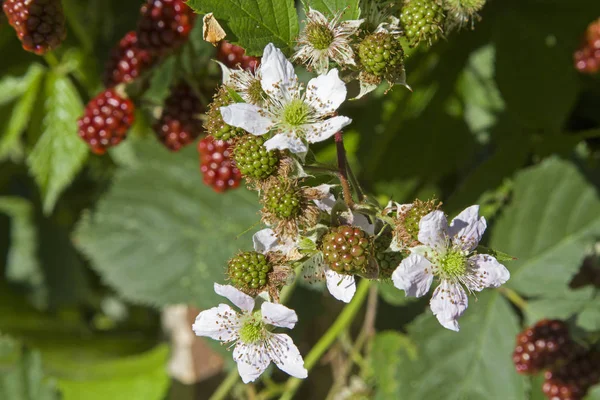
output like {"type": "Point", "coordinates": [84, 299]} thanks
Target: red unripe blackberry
{"type": "Point", "coordinates": [571, 381]}
{"type": "Point", "coordinates": [249, 271]}
{"type": "Point", "coordinates": [40, 24]}
{"type": "Point", "coordinates": [235, 56]}
{"type": "Point", "coordinates": [542, 346]}
{"type": "Point", "coordinates": [422, 20]}
{"type": "Point", "coordinates": [179, 125]}
{"type": "Point", "coordinates": [347, 250]}
{"type": "Point", "coordinates": [164, 25]}
{"type": "Point", "coordinates": [106, 120]}
{"type": "Point", "coordinates": [127, 61]}
{"type": "Point", "coordinates": [253, 159]}
{"type": "Point", "coordinates": [587, 57]}
{"type": "Point", "coordinates": [216, 166]}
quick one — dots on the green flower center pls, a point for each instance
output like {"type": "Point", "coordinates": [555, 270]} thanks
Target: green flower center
{"type": "Point", "coordinates": [319, 36]}
{"type": "Point", "coordinates": [252, 329]}
{"type": "Point", "coordinates": [256, 92]}
{"type": "Point", "coordinates": [454, 264]}
{"type": "Point", "coordinates": [296, 113]}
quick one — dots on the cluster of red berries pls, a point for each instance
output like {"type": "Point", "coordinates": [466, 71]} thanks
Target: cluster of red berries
{"type": "Point", "coordinates": [163, 26]}
{"type": "Point", "coordinates": [235, 56]}
{"type": "Point", "coordinates": [40, 24]}
{"type": "Point", "coordinates": [587, 57]}
{"type": "Point", "coordinates": [216, 165]}
{"type": "Point", "coordinates": [570, 370]}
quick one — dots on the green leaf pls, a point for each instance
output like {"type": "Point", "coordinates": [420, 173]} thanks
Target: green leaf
{"type": "Point", "coordinates": [389, 351]}
{"type": "Point", "coordinates": [142, 377]}
{"type": "Point", "coordinates": [59, 154]}
{"type": "Point", "coordinates": [21, 374]}
{"type": "Point", "coordinates": [161, 236]}
{"type": "Point", "coordinates": [498, 255]}
{"type": "Point", "coordinates": [474, 363]}
{"type": "Point", "coordinates": [19, 116]}
{"type": "Point", "coordinates": [331, 8]}
{"type": "Point", "coordinates": [393, 295]}
{"type": "Point", "coordinates": [554, 215]}
{"type": "Point", "coordinates": [594, 393]}
{"type": "Point", "coordinates": [589, 317]}
{"type": "Point", "coordinates": [255, 23]}
{"type": "Point", "coordinates": [561, 305]}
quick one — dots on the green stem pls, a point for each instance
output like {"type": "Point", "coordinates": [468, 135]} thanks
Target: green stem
{"type": "Point", "coordinates": [342, 322]}
{"type": "Point", "coordinates": [514, 297]}
{"type": "Point", "coordinates": [226, 386]}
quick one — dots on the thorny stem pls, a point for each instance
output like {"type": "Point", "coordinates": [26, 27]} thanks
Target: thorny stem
{"type": "Point", "coordinates": [514, 297]}
{"type": "Point", "coordinates": [342, 165]}
{"type": "Point", "coordinates": [233, 376]}
{"type": "Point", "coordinates": [341, 323]}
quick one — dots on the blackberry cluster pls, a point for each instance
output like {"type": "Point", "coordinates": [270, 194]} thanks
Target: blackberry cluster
{"type": "Point", "coordinates": [179, 125]}
{"type": "Point", "coordinates": [587, 57]}
{"type": "Point", "coordinates": [542, 346]}
{"type": "Point", "coordinates": [572, 380]}
{"type": "Point", "coordinates": [235, 56]}
{"type": "Point", "coordinates": [253, 159]}
{"type": "Point", "coordinates": [106, 120]}
{"type": "Point", "coordinates": [249, 271]}
{"type": "Point", "coordinates": [40, 24]}
{"type": "Point", "coordinates": [381, 56]}
{"type": "Point", "coordinates": [164, 25]}
{"type": "Point", "coordinates": [216, 166]}
{"type": "Point", "coordinates": [283, 200]}
{"type": "Point", "coordinates": [127, 61]}
{"type": "Point", "coordinates": [387, 261]}
{"type": "Point", "coordinates": [422, 20]}
{"type": "Point", "coordinates": [347, 250]}
{"type": "Point", "coordinates": [214, 125]}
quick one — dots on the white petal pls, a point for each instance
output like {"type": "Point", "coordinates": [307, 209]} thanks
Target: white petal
{"type": "Point", "coordinates": [252, 360]}
{"type": "Point", "coordinates": [316, 16]}
{"type": "Point", "coordinates": [414, 275]}
{"type": "Point", "coordinates": [326, 92]}
{"type": "Point", "coordinates": [323, 130]}
{"type": "Point", "coordinates": [277, 73]}
{"type": "Point", "coordinates": [266, 241]}
{"type": "Point", "coordinates": [433, 230]}
{"type": "Point", "coordinates": [283, 141]}
{"type": "Point", "coordinates": [342, 287]}
{"type": "Point", "coordinates": [240, 299]}
{"type": "Point", "coordinates": [353, 24]}
{"type": "Point", "coordinates": [278, 315]}
{"type": "Point", "coordinates": [246, 116]}
{"type": "Point", "coordinates": [363, 223]}
{"type": "Point", "coordinates": [448, 303]}
{"type": "Point", "coordinates": [219, 323]}
{"type": "Point", "coordinates": [314, 268]}
{"type": "Point", "coordinates": [485, 271]}
{"type": "Point", "coordinates": [285, 355]}
{"type": "Point", "coordinates": [467, 228]}
{"type": "Point", "coordinates": [326, 204]}
{"type": "Point", "coordinates": [226, 72]}
{"type": "Point", "coordinates": [365, 88]}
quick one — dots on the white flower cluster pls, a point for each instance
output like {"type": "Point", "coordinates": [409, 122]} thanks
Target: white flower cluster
{"type": "Point", "coordinates": [275, 104]}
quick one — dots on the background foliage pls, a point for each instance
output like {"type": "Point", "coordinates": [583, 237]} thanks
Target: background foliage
{"type": "Point", "coordinates": [93, 246]}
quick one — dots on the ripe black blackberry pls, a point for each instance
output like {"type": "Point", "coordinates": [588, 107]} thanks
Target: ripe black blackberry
{"type": "Point", "coordinates": [542, 346]}
{"type": "Point", "coordinates": [347, 250]}
{"type": "Point", "coordinates": [164, 25]}
{"type": "Point", "coordinates": [572, 380]}
{"type": "Point", "coordinates": [215, 163]}
{"type": "Point", "coordinates": [40, 24]}
{"type": "Point", "coordinates": [381, 57]}
{"type": "Point", "coordinates": [127, 61]}
{"type": "Point", "coordinates": [235, 56]}
{"type": "Point", "coordinates": [214, 124]}
{"type": "Point", "coordinates": [249, 271]}
{"type": "Point", "coordinates": [179, 125]}
{"type": "Point", "coordinates": [253, 159]}
{"type": "Point", "coordinates": [422, 20]}
{"type": "Point", "coordinates": [106, 120]}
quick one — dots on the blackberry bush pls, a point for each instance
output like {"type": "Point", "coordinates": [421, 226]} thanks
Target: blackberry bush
{"type": "Point", "coordinates": [40, 24]}
{"type": "Point", "coordinates": [106, 120]}
{"type": "Point", "coordinates": [253, 159]}
{"type": "Point", "coordinates": [422, 20]}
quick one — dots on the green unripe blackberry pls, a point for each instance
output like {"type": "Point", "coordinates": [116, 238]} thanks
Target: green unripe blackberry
{"type": "Point", "coordinates": [381, 55]}
{"type": "Point", "coordinates": [253, 159]}
{"type": "Point", "coordinates": [249, 271]}
{"type": "Point", "coordinates": [283, 200]}
{"type": "Point", "coordinates": [347, 250]}
{"type": "Point", "coordinates": [388, 261]}
{"type": "Point", "coordinates": [214, 124]}
{"type": "Point", "coordinates": [422, 20]}
{"type": "Point", "coordinates": [414, 215]}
